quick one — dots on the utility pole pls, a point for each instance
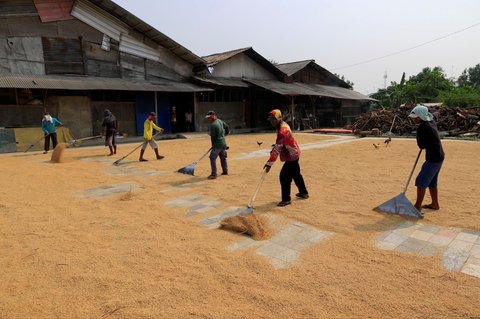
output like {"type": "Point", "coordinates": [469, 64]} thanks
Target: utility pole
{"type": "Point", "coordinates": [385, 80]}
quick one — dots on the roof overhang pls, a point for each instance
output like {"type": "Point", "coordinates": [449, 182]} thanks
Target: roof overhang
{"type": "Point", "coordinates": [224, 82]}
{"type": "Point", "coordinates": [290, 89]}
{"type": "Point", "coordinates": [297, 88]}
{"type": "Point", "coordinates": [94, 83]}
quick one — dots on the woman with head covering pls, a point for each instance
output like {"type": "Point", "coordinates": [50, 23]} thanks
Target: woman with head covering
{"type": "Point", "coordinates": [428, 139]}
{"type": "Point", "coordinates": [49, 128]}
{"type": "Point", "coordinates": [110, 127]}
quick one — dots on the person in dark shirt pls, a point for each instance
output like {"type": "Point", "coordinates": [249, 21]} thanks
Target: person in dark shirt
{"type": "Point", "coordinates": [219, 145]}
{"type": "Point", "coordinates": [110, 127]}
{"type": "Point", "coordinates": [427, 139]}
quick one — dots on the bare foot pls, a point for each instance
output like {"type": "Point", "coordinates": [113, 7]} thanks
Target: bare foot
{"type": "Point", "coordinates": [143, 160]}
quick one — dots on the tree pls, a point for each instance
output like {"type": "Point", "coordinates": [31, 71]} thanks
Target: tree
{"type": "Point", "coordinates": [462, 96]}
{"type": "Point", "coordinates": [470, 77]}
{"type": "Point", "coordinates": [341, 77]}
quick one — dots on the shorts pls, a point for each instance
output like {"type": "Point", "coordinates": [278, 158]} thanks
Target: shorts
{"type": "Point", "coordinates": [428, 176]}
{"type": "Point", "coordinates": [152, 143]}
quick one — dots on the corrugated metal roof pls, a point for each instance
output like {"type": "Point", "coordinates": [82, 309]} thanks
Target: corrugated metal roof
{"type": "Point", "coordinates": [293, 67]}
{"type": "Point", "coordinates": [149, 31]}
{"type": "Point", "coordinates": [229, 82]}
{"type": "Point", "coordinates": [96, 83]}
{"type": "Point", "coordinates": [292, 89]}
{"type": "Point", "coordinates": [339, 92]}
{"type": "Point", "coordinates": [297, 88]}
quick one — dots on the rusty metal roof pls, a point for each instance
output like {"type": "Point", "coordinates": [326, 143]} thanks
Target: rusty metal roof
{"type": "Point", "coordinates": [218, 81]}
{"type": "Point", "coordinates": [215, 58]}
{"type": "Point", "coordinates": [149, 31]}
{"type": "Point", "coordinates": [94, 83]}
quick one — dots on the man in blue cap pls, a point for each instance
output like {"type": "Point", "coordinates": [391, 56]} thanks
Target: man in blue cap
{"type": "Point", "coordinates": [428, 139]}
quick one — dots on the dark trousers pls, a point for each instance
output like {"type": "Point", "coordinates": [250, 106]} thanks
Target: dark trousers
{"type": "Point", "coordinates": [222, 153]}
{"type": "Point", "coordinates": [291, 170]}
{"type": "Point", "coordinates": [53, 136]}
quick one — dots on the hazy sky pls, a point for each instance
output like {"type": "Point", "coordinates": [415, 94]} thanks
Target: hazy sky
{"type": "Point", "coordinates": [335, 33]}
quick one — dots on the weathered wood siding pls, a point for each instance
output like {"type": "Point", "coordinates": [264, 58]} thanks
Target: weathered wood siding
{"type": "Point", "coordinates": [242, 66]}
{"type": "Point", "coordinates": [100, 62]}
{"type": "Point", "coordinates": [21, 55]}
{"type": "Point", "coordinates": [63, 56]}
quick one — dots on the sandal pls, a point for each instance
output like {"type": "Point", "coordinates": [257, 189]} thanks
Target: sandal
{"type": "Point", "coordinates": [283, 204]}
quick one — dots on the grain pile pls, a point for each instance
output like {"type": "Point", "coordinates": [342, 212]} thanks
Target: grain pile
{"type": "Point", "coordinates": [58, 153]}
{"type": "Point", "coordinates": [250, 224]}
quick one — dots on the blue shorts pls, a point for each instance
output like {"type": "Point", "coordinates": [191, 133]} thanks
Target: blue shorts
{"type": "Point", "coordinates": [428, 176]}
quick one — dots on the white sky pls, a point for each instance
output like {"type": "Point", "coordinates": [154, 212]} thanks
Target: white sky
{"type": "Point", "coordinates": [335, 33]}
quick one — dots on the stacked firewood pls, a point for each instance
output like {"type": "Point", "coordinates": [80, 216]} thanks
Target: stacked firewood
{"type": "Point", "coordinates": [450, 121]}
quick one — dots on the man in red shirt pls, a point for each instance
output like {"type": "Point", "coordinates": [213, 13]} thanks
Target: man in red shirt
{"type": "Point", "coordinates": [289, 152]}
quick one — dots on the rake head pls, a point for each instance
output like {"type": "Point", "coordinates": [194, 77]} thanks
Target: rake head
{"type": "Point", "coordinates": [189, 170]}
{"type": "Point", "coordinates": [399, 205]}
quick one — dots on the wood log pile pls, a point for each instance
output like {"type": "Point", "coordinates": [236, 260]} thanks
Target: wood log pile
{"type": "Point", "coordinates": [450, 121]}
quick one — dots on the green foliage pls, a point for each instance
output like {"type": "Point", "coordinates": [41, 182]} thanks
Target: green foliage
{"type": "Point", "coordinates": [432, 85]}
{"type": "Point", "coordinates": [462, 96]}
{"type": "Point", "coordinates": [470, 77]}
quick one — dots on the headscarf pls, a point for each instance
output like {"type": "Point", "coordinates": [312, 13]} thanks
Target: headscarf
{"type": "Point", "coordinates": [421, 111]}
{"type": "Point", "coordinates": [108, 116]}
{"type": "Point", "coordinates": [275, 114]}
{"type": "Point", "coordinates": [47, 118]}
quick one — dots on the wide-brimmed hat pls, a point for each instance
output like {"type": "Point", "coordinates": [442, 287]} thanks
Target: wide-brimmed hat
{"type": "Point", "coordinates": [421, 111]}
{"type": "Point", "coordinates": [209, 113]}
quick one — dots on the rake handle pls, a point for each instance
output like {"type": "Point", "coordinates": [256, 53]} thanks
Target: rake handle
{"type": "Point", "coordinates": [136, 148]}
{"type": "Point", "coordinates": [411, 173]}
{"type": "Point", "coordinates": [262, 178]}
{"type": "Point", "coordinates": [201, 157]}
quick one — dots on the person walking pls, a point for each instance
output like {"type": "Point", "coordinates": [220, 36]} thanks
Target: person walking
{"type": "Point", "coordinates": [148, 128]}
{"type": "Point", "coordinates": [188, 120]}
{"type": "Point", "coordinates": [173, 120]}
{"type": "Point", "coordinates": [49, 128]}
{"type": "Point", "coordinates": [429, 140]}
{"type": "Point", "coordinates": [287, 148]}
{"type": "Point", "coordinates": [219, 145]}
{"type": "Point", "coordinates": [110, 128]}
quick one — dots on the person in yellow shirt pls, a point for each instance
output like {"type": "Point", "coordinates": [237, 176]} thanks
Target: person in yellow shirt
{"type": "Point", "coordinates": [148, 127]}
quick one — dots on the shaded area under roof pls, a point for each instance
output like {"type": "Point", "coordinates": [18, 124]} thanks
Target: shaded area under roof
{"type": "Point", "coordinates": [297, 88]}
{"type": "Point", "coordinates": [228, 82]}
{"type": "Point", "coordinates": [149, 31]}
{"type": "Point", "coordinates": [93, 83]}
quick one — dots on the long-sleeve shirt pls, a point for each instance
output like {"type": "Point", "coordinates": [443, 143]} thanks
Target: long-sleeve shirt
{"type": "Point", "coordinates": [148, 127]}
{"type": "Point", "coordinates": [428, 139]}
{"type": "Point", "coordinates": [285, 145]}
{"type": "Point", "coordinates": [217, 134]}
{"type": "Point", "coordinates": [50, 127]}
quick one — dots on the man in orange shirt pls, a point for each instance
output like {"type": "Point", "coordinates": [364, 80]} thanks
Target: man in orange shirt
{"type": "Point", "coordinates": [289, 152]}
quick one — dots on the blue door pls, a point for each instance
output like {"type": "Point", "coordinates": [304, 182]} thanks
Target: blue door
{"type": "Point", "coordinates": [145, 103]}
